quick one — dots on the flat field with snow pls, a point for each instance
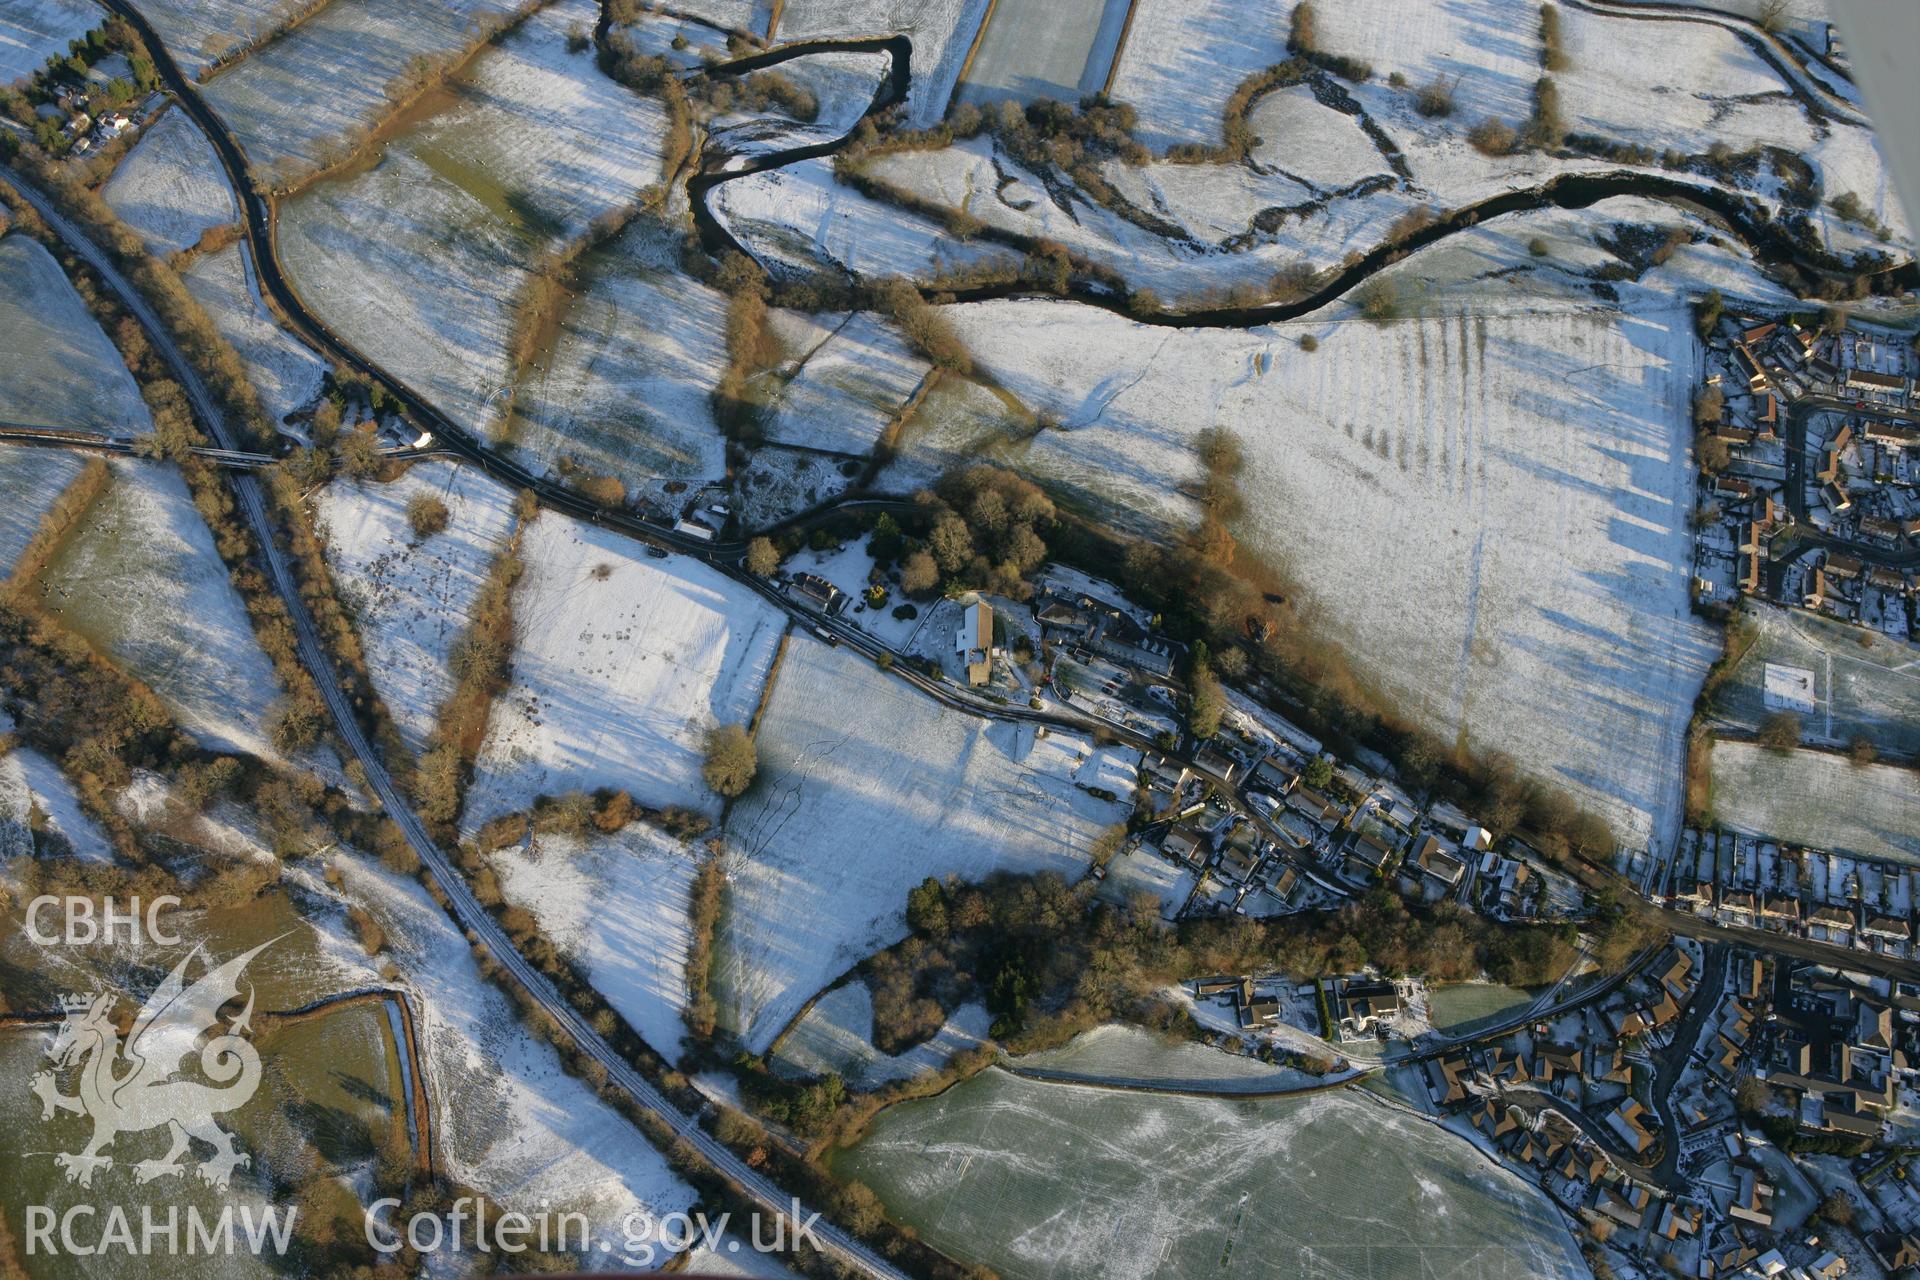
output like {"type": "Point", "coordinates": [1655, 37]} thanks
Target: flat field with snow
{"type": "Point", "coordinates": [837, 1035]}
{"type": "Point", "coordinates": [1818, 800]}
{"type": "Point", "coordinates": [528, 146]}
{"type": "Point", "coordinates": [617, 906]}
{"type": "Point", "coordinates": [170, 187]}
{"type": "Point", "coordinates": [410, 596]}
{"type": "Point", "coordinates": [296, 102]}
{"type": "Point", "coordinates": [625, 388]}
{"type": "Point", "coordinates": [855, 374]}
{"type": "Point", "coordinates": [285, 371]}
{"type": "Point", "coordinates": [624, 662]}
{"type": "Point", "coordinates": [1487, 512]}
{"type": "Point", "coordinates": [140, 579]}
{"type": "Point", "coordinates": [942, 31]}
{"type": "Point", "coordinates": [1869, 691]}
{"type": "Point", "coordinates": [32, 31]}
{"type": "Point", "coordinates": [511, 1121]}
{"type": "Point", "coordinates": [865, 789]}
{"type": "Point", "coordinates": [60, 370]}
{"type": "Point", "coordinates": [1045, 49]}
{"type": "Point", "coordinates": [1062, 1182]}
{"type": "Point", "coordinates": [30, 480]}
{"type": "Point", "coordinates": [198, 31]}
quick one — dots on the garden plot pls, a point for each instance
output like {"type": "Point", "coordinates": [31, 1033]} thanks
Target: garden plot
{"type": "Point", "coordinates": [625, 388]}
{"type": "Point", "coordinates": [836, 1035]}
{"type": "Point", "coordinates": [1141, 870]}
{"type": "Point", "coordinates": [140, 579]}
{"type": "Point", "coordinates": [409, 596]}
{"type": "Point", "coordinates": [618, 907]}
{"type": "Point", "coordinates": [867, 787]}
{"type": "Point", "coordinates": [1818, 799]}
{"type": "Point", "coordinates": [1045, 49]}
{"type": "Point", "coordinates": [60, 370]}
{"type": "Point", "coordinates": [304, 98]}
{"type": "Point", "coordinates": [1869, 691]}
{"type": "Point", "coordinates": [798, 217]}
{"type": "Point", "coordinates": [510, 1120]}
{"type": "Point", "coordinates": [1525, 478]}
{"type": "Point", "coordinates": [1061, 1181]}
{"type": "Point", "coordinates": [30, 480]}
{"type": "Point", "coordinates": [170, 187]}
{"type": "Point", "coordinates": [854, 377]}
{"type": "Point", "coordinates": [423, 256]}
{"type": "Point", "coordinates": [941, 30]}
{"type": "Point", "coordinates": [285, 371]}
{"type": "Point", "coordinates": [32, 31]}
{"type": "Point", "coordinates": [779, 482]}
{"type": "Point", "coordinates": [624, 664]}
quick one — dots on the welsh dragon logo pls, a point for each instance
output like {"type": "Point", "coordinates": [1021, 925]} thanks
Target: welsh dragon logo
{"type": "Point", "coordinates": [134, 1089]}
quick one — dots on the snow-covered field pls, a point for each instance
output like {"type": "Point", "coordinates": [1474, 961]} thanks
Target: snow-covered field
{"type": "Point", "coordinates": [1063, 1182]}
{"type": "Point", "coordinates": [60, 370]}
{"type": "Point", "coordinates": [285, 371]}
{"type": "Point", "coordinates": [623, 665]}
{"type": "Point", "coordinates": [30, 480]}
{"type": "Point", "coordinates": [1338, 165]}
{"type": "Point", "coordinates": [1184, 59]}
{"type": "Point", "coordinates": [798, 216]}
{"type": "Point", "coordinates": [410, 597]}
{"type": "Point", "coordinates": [837, 1035]}
{"type": "Point", "coordinates": [29, 784]}
{"type": "Point", "coordinates": [1118, 1051]}
{"type": "Point", "coordinates": [1524, 478]}
{"type": "Point", "coordinates": [1857, 690]}
{"type": "Point", "coordinates": [295, 102]}
{"type": "Point", "coordinates": [1819, 800]}
{"type": "Point", "coordinates": [31, 31]}
{"type": "Point", "coordinates": [855, 374]}
{"type": "Point", "coordinates": [510, 1120]}
{"type": "Point", "coordinates": [198, 31]}
{"type": "Point", "coordinates": [140, 579]}
{"type": "Point", "coordinates": [626, 388]}
{"type": "Point", "coordinates": [533, 144]}
{"type": "Point", "coordinates": [1045, 49]}
{"type": "Point", "coordinates": [942, 31]}
{"type": "Point", "coordinates": [865, 789]}
{"type": "Point", "coordinates": [618, 906]}
{"type": "Point", "coordinates": [170, 187]}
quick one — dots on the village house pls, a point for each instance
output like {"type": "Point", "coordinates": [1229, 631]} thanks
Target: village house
{"type": "Point", "coordinates": [1107, 630]}
{"type": "Point", "coordinates": [1436, 861]}
{"type": "Point", "coordinates": [1183, 844]}
{"type": "Point", "coordinates": [1363, 1006]}
{"type": "Point", "coordinates": [818, 592]}
{"type": "Point", "coordinates": [1369, 855]}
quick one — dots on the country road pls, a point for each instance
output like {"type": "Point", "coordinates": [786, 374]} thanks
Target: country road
{"type": "Point", "coordinates": [466, 908]}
